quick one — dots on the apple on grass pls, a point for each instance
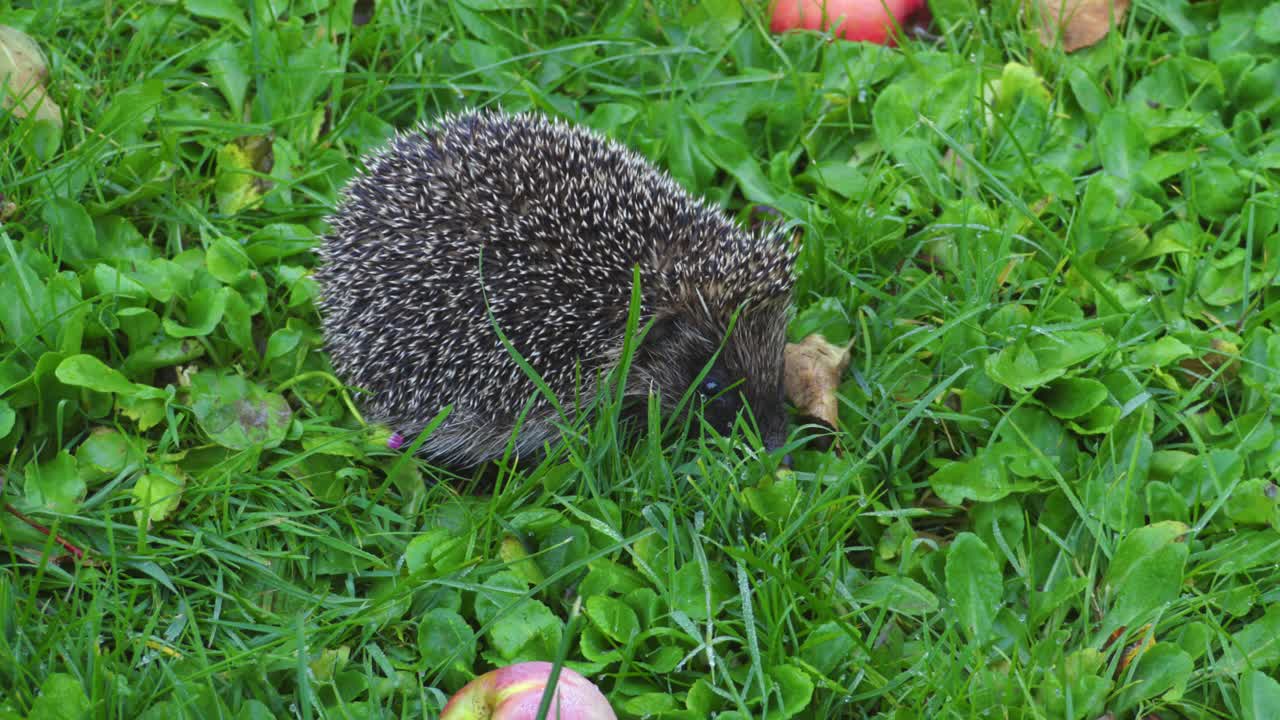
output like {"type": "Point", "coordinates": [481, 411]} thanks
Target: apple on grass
{"type": "Point", "coordinates": [514, 693]}
{"type": "Point", "coordinates": [859, 20]}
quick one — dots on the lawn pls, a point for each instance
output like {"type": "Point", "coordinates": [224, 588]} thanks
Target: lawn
{"type": "Point", "coordinates": [1052, 491]}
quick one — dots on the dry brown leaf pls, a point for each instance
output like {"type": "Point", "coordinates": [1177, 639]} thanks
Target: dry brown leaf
{"type": "Point", "coordinates": [1222, 353]}
{"type": "Point", "coordinates": [1080, 23]}
{"type": "Point", "coordinates": [812, 375]}
{"type": "Point", "coordinates": [23, 71]}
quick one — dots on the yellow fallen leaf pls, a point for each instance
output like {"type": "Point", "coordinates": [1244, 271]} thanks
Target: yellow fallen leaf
{"type": "Point", "coordinates": [157, 494]}
{"type": "Point", "coordinates": [239, 181]}
{"type": "Point", "coordinates": [813, 368]}
{"type": "Point", "coordinates": [23, 71]}
{"type": "Point", "coordinates": [1080, 23]}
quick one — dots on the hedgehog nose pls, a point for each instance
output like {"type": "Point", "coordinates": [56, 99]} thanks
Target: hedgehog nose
{"type": "Point", "coordinates": [773, 441]}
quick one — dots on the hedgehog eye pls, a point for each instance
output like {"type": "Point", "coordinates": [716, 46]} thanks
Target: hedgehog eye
{"type": "Point", "coordinates": [710, 387]}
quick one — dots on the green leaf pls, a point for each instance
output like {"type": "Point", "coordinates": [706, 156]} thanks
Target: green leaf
{"type": "Point", "coordinates": [981, 478]}
{"type": "Point", "coordinates": [1069, 398]}
{"type": "Point", "coordinates": [106, 451]}
{"type": "Point", "coordinates": [1165, 351]}
{"type": "Point", "coordinates": [898, 594]}
{"type": "Point", "coordinates": [610, 118]}
{"type": "Point", "coordinates": [110, 281]}
{"type": "Point", "coordinates": [1017, 367]}
{"type": "Point", "coordinates": [204, 311]}
{"type": "Point", "coordinates": [277, 241]}
{"type": "Point", "coordinates": [796, 688]}
{"type": "Point", "coordinates": [598, 648]}
{"type": "Point", "coordinates": [446, 640]}
{"type": "Point", "coordinates": [489, 5]}
{"type": "Point", "coordinates": [893, 115]}
{"type": "Point", "coordinates": [226, 260]}
{"type": "Point", "coordinates": [71, 230]}
{"type": "Point", "coordinates": [1121, 145]}
{"type": "Point", "coordinates": [974, 585]}
{"type": "Point", "coordinates": [146, 413]}
{"type": "Point", "coordinates": [702, 700]}
{"type": "Point", "coordinates": [1063, 594]}
{"type": "Point", "coordinates": [236, 413]}
{"type": "Point", "coordinates": [130, 109]}
{"type": "Point", "coordinates": [25, 312]}
{"type": "Point", "coordinates": [1215, 189]}
{"type": "Point", "coordinates": [840, 178]}
{"type": "Point", "coordinates": [1256, 646]}
{"type": "Point", "coordinates": [7, 419]}
{"type": "Point", "coordinates": [1097, 421]}
{"type": "Point", "coordinates": [1145, 573]}
{"type": "Point", "coordinates": [999, 522]}
{"type": "Point", "coordinates": [1207, 477]}
{"type": "Point", "coordinates": [828, 647]}
{"type": "Point", "coordinates": [774, 499]}
{"type": "Point", "coordinates": [1027, 364]}
{"type": "Point", "coordinates": [1259, 693]}
{"type": "Point", "coordinates": [827, 317]}
{"type": "Point", "coordinates": [161, 353]}
{"type": "Point", "coordinates": [61, 698]}
{"type": "Point", "coordinates": [664, 660]}
{"type": "Point", "coordinates": [1067, 348]}
{"type": "Point", "coordinates": [1139, 545]}
{"type": "Point", "coordinates": [613, 617]}
{"type": "Point", "coordinates": [229, 11]}
{"type": "Point", "coordinates": [1088, 94]}
{"type": "Point", "coordinates": [1267, 27]}
{"type": "Point", "coordinates": [1018, 84]}
{"type": "Point", "coordinates": [436, 548]}
{"type": "Point", "coordinates": [650, 704]}
{"type": "Point", "coordinates": [89, 372]}
{"type": "Point", "coordinates": [56, 484]}
{"type": "Point", "coordinates": [229, 67]}
{"type": "Point", "coordinates": [713, 20]}
{"type": "Point", "coordinates": [737, 160]}
{"type": "Point", "coordinates": [1032, 443]}
{"type": "Point", "coordinates": [517, 559]}
{"type": "Point", "coordinates": [524, 626]}
{"type": "Point", "coordinates": [282, 342]}
{"type": "Point", "coordinates": [1162, 672]}
{"type": "Point", "coordinates": [162, 278]}
{"type": "Point", "coordinates": [1254, 502]}
{"type": "Point", "coordinates": [157, 495]}
{"type": "Point", "coordinates": [562, 547]}
{"type": "Point", "coordinates": [696, 596]}
{"type": "Point", "coordinates": [1077, 684]}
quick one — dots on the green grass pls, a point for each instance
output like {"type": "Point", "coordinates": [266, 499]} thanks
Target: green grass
{"type": "Point", "coordinates": [1059, 434]}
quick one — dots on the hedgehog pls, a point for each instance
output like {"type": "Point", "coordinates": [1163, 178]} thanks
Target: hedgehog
{"type": "Point", "coordinates": [487, 232]}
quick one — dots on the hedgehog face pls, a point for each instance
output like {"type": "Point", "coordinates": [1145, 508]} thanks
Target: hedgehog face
{"type": "Point", "coordinates": [745, 368]}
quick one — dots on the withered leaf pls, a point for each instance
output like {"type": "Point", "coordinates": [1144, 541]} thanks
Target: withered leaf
{"type": "Point", "coordinates": [23, 71]}
{"type": "Point", "coordinates": [1080, 23]}
{"type": "Point", "coordinates": [813, 368]}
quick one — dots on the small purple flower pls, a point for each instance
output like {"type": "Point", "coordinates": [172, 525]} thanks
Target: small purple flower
{"type": "Point", "coordinates": [396, 441]}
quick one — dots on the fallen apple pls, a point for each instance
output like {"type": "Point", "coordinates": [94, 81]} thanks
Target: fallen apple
{"type": "Point", "coordinates": [514, 693]}
{"type": "Point", "coordinates": [858, 20]}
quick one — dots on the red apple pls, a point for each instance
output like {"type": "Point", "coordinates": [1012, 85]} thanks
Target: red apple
{"type": "Point", "coordinates": [514, 692]}
{"type": "Point", "coordinates": [859, 20]}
